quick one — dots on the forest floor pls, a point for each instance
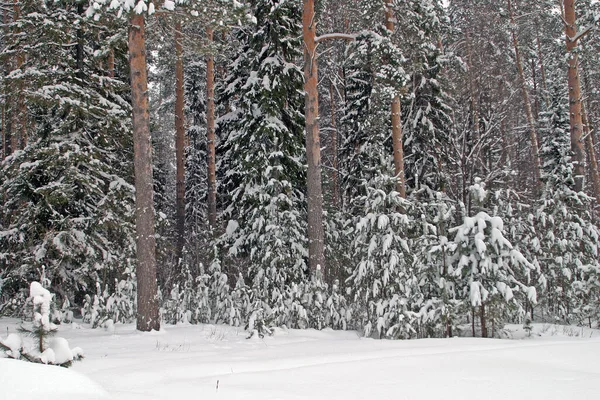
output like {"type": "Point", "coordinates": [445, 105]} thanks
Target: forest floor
{"type": "Point", "coordinates": [218, 362]}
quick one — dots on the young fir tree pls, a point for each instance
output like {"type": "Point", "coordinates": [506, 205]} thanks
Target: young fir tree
{"type": "Point", "coordinates": [267, 209]}
{"type": "Point", "coordinates": [383, 282]}
{"type": "Point", "coordinates": [484, 267]}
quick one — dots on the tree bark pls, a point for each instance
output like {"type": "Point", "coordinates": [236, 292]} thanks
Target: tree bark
{"type": "Point", "coordinates": [111, 63]}
{"type": "Point", "coordinates": [147, 290]}
{"type": "Point", "coordinates": [591, 154]}
{"type": "Point", "coordinates": [397, 139]}
{"type": "Point", "coordinates": [179, 139]}
{"type": "Point", "coordinates": [210, 132]}
{"type": "Point", "coordinates": [575, 114]}
{"type": "Point", "coordinates": [535, 153]}
{"type": "Point", "coordinates": [316, 243]}
{"type": "Point", "coordinates": [484, 332]}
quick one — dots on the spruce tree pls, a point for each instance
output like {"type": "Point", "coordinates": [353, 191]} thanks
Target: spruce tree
{"type": "Point", "coordinates": [267, 208]}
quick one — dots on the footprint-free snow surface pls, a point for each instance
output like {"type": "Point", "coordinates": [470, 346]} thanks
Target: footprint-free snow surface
{"type": "Point", "coordinates": [218, 362]}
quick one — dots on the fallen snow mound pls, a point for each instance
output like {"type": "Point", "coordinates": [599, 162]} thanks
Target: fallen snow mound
{"type": "Point", "coordinates": [21, 380]}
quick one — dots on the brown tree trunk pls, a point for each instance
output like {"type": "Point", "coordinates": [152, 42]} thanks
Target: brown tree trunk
{"type": "Point", "coordinates": [179, 139]}
{"type": "Point", "coordinates": [210, 132]}
{"type": "Point", "coordinates": [591, 154]}
{"type": "Point", "coordinates": [484, 333]}
{"type": "Point", "coordinates": [334, 148]}
{"type": "Point", "coordinates": [575, 120]}
{"type": "Point", "coordinates": [316, 243]}
{"type": "Point", "coordinates": [397, 140]}
{"type": "Point", "coordinates": [535, 153]}
{"type": "Point", "coordinates": [111, 63]}
{"type": "Point", "coordinates": [147, 290]}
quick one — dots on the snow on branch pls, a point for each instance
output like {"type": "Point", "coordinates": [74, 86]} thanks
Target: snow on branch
{"type": "Point", "coordinates": [344, 36]}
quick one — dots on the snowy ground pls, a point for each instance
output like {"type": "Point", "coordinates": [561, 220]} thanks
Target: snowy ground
{"type": "Point", "coordinates": [189, 362]}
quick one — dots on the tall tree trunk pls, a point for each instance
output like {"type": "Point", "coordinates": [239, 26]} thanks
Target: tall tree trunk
{"type": "Point", "coordinates": [591, 155]}
{"type": "Point", "coordinates": [541, 62]}
{"type": "Point", "coordinates": [535, 153]}
{"type": "Point", "coordinates": [6, 71]}
{"type": "Point", "coordinates": [4, 137]}
{"type": "Point", "coordinates": [334, 148]}
{"type": "Point", "coordinates": [210, 132]}
{"type": "Point", "coordinates": [397, 140]}
{"type": "Point", "coordinates": [179, 138]}
{"type": "Point", "coordinates": [15, 109]}
{"type": "Point", "coordinates": [575, 114]}
{"type": "Point", "coordinates": [147, 290]}
{"type": "Point", "coordinates": [316, 243]}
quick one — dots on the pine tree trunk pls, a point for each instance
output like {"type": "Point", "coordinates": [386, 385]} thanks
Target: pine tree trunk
{"type": "Point", "coordinates": [397, 140]}
{"type": "Point", "coordinates": [179, 139]}
{"type": "Point", "coordinates": [147, 290]}
{"type": "Point", "coordinates": [575, 120]}
{"type": "Point", "coordinates": [535, 153]}
{"type": "Point", "coordinates": [316, 245]}
{"type": "Point", "coordinates": [591, 155]}
{"type": "Point", "coordinates": [210, 132]}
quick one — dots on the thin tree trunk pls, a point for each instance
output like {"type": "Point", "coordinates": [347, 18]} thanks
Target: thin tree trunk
{"type": "Point", "coordinates": [541, 62]}
{"type": "Point", "coordinates": [147, 290]}
{"type": "Point", "coordinates": [334, 147]}
{"type": "Point", "coordinates": [575, 114]}
{"type": "Point", "coordinates": [15, 117]}
{"type": "Point", "coordinates": [536, 102]}
{"type": "Point", "coordinates": [210, 132]}
{"type": "Point", "coordinates": [316, 243]}
{"type": "Point", "coordinates": [482, 319]}
{"type": "Point", "coordinates": [4, 137]}
{"type": "Point", "coordinates": [5, 133]}
{"type": "Point", "coordinates": [535, 153]}
{"type": "Point", "coordinates": [179, 139]}
{"type": "Point", "coordinates": [397, 140]}
{"type": "Point", "coordinates": [111, 63]}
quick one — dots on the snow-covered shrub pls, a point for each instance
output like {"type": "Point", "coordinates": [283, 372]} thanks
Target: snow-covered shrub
{"type": "Point", "coordinates": [119, 306]}
{"type": "Point", "coordinates": [45, 351]}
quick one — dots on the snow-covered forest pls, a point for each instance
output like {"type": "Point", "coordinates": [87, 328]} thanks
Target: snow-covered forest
{"type": "Point", "coordinates": [403, 168]}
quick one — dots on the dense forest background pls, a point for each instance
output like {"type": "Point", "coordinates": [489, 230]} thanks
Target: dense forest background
{"type": "Point", "coordinates": [415, 168]}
